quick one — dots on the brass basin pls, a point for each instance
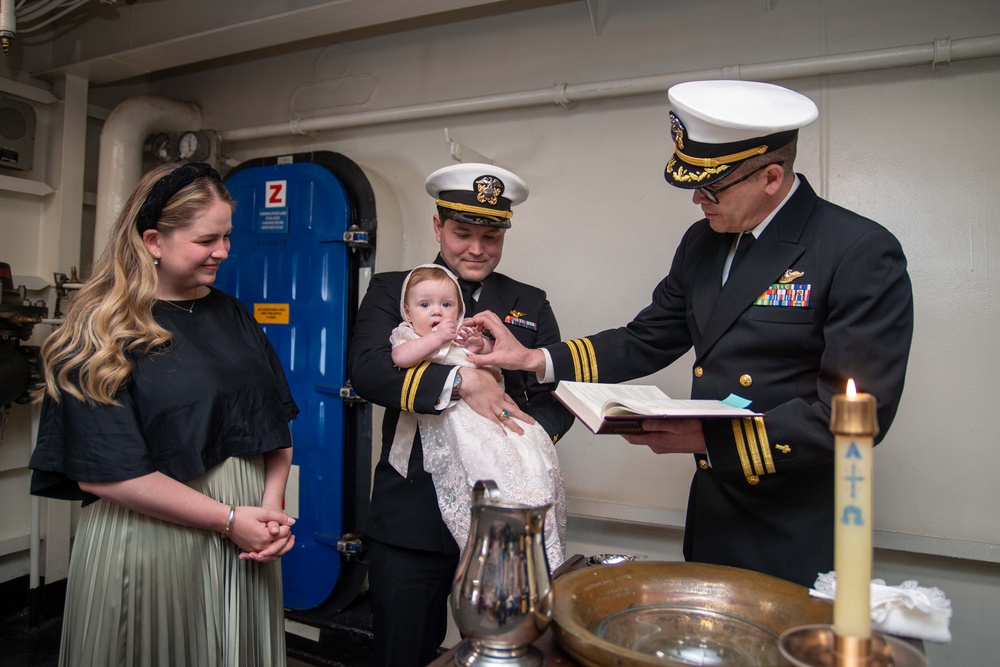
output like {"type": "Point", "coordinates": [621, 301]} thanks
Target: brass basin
{"type": "Point", "coordinates": [711, 600]}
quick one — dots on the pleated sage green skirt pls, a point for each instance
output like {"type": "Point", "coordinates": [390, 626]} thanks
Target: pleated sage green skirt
{"type": "Point", "coordinates": [145, 593]}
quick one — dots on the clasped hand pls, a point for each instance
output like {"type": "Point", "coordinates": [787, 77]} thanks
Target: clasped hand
{"type": "Point", "coordinates": [507, 353]}
{"type": "Point", "coordinates": [468, 336]}
{"type": "Point", "coordinates": [263, 535]}
{"type": "Point", "coordinates": [472, 339]}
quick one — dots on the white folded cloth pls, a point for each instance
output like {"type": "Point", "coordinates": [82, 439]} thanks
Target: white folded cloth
{"type": "Point", "coordinates": [906, 610]}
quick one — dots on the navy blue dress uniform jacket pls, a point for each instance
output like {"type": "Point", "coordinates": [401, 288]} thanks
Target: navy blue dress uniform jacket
{"type": "Point", "coordinates": [404, 512]}
{"type": "Point", "coordinates": [763, 498]}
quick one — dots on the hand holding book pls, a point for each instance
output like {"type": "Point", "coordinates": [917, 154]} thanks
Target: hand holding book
{"type": "Point", "coordinates": [670, 436]}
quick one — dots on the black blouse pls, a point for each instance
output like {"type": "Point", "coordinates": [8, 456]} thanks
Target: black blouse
{"type": "Point", "coordinates": [217, 391]}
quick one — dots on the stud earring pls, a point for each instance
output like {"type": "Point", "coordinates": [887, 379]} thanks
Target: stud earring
{"type": "Point", "coordinates": [156, 261]}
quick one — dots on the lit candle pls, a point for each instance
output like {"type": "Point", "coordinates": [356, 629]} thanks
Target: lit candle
{"type": "Point", "coordinates": [854, 425]}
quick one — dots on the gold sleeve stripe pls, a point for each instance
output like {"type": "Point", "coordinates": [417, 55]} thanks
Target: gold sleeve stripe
{"type": "Point", "coordinates": [741, 446]}
{"type": "Point", "coordinates": [406, 388]}
{"type": "Point", "coordinates": [584, 374]}
{"type": "Point", "coordinates": [410, 384]}
{"type": "Point", "coordinates": [765, 445]}
{"type": "Point", "coordinates": [593, 358]}
{"type": "Point", "coordinates": [748, 427]}
{"type": "Point", "coordinates": [580, 362]}
{"type": "Point", "coordinates": [407, 379]}
{"type": "Point", "coordinates": [575, 356]}
{"type": "Point", "coordinates": [584, 359]}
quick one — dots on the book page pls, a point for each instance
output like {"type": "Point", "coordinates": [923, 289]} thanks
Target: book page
{"type": "Point", "coordinates": [598, 395]}
{"type": "Point", "coordinates": [670, 406]}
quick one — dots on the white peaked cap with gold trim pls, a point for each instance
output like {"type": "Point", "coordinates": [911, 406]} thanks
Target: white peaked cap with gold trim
{"type": "Point", "coordinates": [716, 125]}
{"type": "Point", "coordinates": [477, 193]}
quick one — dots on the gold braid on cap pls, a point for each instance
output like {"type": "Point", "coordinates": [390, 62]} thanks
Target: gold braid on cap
{"type": "Point", "coordinates": [465, 208]}
{"type": "Point", "coordinates": [684, 175]}
{"type": "Point", "coordinates": [722, 159]}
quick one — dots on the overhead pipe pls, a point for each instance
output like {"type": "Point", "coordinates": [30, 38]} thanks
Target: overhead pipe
{"type": "Point", "coordinates": [120, 164]}
{"type": "Point", "coordinates": [940, 51]}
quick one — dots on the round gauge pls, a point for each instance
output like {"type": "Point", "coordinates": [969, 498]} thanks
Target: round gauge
{"type": "Point", "coordinates": [192, 146]}
{"type": "Point", "coordinates": [161, 146]}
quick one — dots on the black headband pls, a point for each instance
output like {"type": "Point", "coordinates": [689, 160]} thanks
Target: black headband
{"type": "Point", "coordinates": [167, 187]}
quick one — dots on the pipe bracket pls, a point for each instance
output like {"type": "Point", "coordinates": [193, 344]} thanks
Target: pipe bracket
{"type": "Point", "coordinates": [559, 95]}
{"type": "Point", "coordinates": [942, 52]}
{"type": "Point", "coordinates": [295, 128]}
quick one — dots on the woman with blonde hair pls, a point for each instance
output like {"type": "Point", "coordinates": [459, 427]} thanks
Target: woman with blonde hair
{"type": "Point", "coordinates": [165, 409]}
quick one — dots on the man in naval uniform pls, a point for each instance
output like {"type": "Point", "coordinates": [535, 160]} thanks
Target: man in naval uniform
{"type": "Point", "coordinates": [784, 297]}
{"type": "Point", "coordinates": [413, 555]}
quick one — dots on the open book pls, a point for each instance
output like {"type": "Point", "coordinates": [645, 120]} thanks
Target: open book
{"type": "Point", "coordinates": [620, 408]}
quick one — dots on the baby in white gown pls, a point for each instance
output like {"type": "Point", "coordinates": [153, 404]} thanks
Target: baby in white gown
{"type": "Point", "coordinates": [459, 445]}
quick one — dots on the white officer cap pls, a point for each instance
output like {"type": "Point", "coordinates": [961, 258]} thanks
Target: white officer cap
{"type": "Point", "coordinates": [477, 193]}
{"type": "Point", "coordinates": [716, 125]}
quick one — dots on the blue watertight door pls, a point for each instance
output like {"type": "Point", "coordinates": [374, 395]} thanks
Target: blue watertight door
{"type": "Point", "coordinates": [290, 266]}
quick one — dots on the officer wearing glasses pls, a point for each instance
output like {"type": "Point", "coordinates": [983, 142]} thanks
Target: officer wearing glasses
{"type": "Point", "coordinates": [784, 297]}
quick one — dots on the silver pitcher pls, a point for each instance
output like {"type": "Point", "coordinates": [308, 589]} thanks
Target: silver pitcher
{"type": "Point", "coordinates": [502, 596]}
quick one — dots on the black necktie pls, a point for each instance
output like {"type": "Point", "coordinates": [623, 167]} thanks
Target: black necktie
{"type": "Point", "coordinates": [746, 240]}
{"type": "Point", "coordinates": [468, 289]}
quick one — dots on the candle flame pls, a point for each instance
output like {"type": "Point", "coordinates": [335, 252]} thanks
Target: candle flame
{"type": "Point", "coordinates": [852, 390]}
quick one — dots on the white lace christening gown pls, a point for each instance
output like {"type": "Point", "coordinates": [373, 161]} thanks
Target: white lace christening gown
{"type": "Point", "coordinates": [461, 447]}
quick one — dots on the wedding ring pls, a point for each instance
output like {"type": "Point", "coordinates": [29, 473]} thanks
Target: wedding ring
{"type": "Point", "coordinates": [503, 416]}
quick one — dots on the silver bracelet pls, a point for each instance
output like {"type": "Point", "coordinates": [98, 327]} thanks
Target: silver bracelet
{"type": "Point", "coordinates": [229, 522]}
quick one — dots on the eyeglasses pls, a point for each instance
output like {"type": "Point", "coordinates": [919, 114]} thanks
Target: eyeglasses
{"type": "Point", "coordinates": [713, 195]}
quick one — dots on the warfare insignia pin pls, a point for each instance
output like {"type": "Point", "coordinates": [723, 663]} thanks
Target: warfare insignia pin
{"type": "Point", "coordinates": [790, 275]}
{"type": "Point", "coordinates": [517, 313]}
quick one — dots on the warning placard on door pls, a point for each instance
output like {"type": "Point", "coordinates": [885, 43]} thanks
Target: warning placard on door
{"type": "Point", "coordinates": [272, 222]}
{"type": "Point", "coordinates": [271, 313]}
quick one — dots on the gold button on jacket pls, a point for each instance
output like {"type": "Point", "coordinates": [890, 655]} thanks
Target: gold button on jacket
{"type": "Point", "coordinates": [698, 371]}
{"type": "Point", "coordinates": [746, 380]}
